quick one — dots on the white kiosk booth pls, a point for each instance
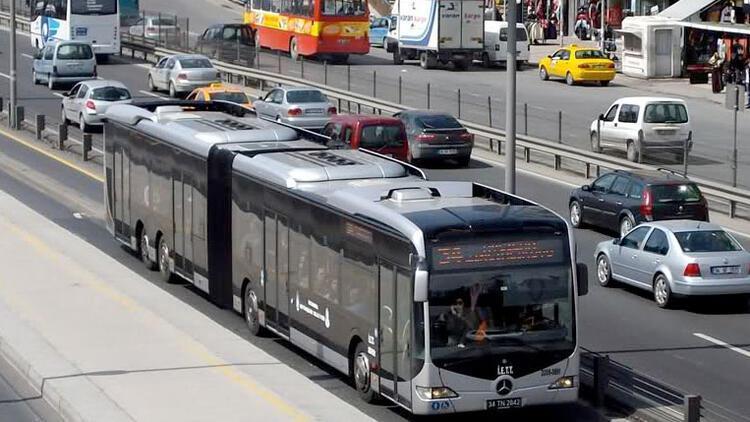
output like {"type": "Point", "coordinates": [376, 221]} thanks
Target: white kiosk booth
{"type": "Point", "coordinates": [652, 47]}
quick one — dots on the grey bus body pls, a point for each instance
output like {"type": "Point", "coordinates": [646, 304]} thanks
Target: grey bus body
{"type": "Point", "coordinates": [358, 260]}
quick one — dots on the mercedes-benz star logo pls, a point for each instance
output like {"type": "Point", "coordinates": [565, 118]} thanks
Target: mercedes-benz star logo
{"type": "Point", "coordinates": [504, 387]}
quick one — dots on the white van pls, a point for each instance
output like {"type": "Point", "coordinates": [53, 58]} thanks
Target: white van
{"type": "Point", "coordinates": [496, 43]}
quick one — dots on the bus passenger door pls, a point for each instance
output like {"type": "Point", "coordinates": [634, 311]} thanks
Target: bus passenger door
{"type": "Point", "coordinates": [269, 270]}
{"type": "Point", "coordinates": [395, 330]}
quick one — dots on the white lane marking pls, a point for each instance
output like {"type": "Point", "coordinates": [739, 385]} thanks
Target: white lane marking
{"type": "Point", "coordinates": [78, 215]}
{"type": "Point", "coordinates": [495, 163]}
{"type": "Point", "coordinates": [718, 342]}
{"type": "Point", "coordinates": [28, 56]}
{"type": "Point", "coordinates": [150, 94]}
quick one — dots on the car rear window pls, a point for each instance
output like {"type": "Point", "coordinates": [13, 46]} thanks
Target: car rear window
{"type": "Point", "coordinates": [111, 93]}
{"type": "Point", "coordinates": [195, 63]}
{"type": "Point", "coordinates": [306, 97]}
{"type": "Point", "coordinates": [707, 241]}
{"type": "Point", "coordinates": [438, 122]}
{"type": "Point", "coordinates": [379, 136]}
{"type": "Point", "coordinates": [665, 113]}
{"type": "Point", "coordinates": [74, 52]}
{"type": "Point", "coordinates": [687, 192]}
{"type": "Point", "coordinates": [590, 54]}
{"type": "Point", "coordinates": [234, 97]}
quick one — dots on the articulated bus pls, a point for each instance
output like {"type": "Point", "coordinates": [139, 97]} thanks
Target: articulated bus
{"type": "Point", "coordinates": [441, 296]}
{"type": "Point", "coordinates": [331, 29]}
{"type": "Point", "coordinates": [95, 21]}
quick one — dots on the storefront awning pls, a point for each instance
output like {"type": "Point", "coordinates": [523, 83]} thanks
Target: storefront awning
{"type": "Point", "coordinates": [730, 28]}
{"type": "Point", "coordinates": [684, 9]}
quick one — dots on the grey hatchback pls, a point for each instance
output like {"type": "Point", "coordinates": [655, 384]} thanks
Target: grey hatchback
{"type": "Point", "coordinates": [676, 258]}
{"type": "Point", "coordinates": [64, 62]}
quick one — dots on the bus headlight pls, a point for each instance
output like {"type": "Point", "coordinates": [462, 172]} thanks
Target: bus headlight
{"type": "Point", "coordinates": [433, 393]}
{"type": "Point", "coordinates": [563, 382]}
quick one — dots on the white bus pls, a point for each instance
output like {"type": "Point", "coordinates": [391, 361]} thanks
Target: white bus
{"type": "Point", "coordinates": [95, 21]}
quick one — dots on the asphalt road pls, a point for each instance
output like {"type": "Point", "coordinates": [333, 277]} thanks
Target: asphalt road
{"type": "Point", "coordinates": [19, 402]}
{"type": "Point", "coordinates": [18, 167]}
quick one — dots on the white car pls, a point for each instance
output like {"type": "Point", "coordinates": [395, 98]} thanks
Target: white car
{"type": "Point", "coordinates": [86, 103]}
{"type": "Point", "coordinates": [642, 125]}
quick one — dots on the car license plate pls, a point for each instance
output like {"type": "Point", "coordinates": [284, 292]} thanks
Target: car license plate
{"type": "Point", "coordinates": [314, 111]}
{"type": "Point", "coordinates": [734, 269]}
{"type": "Point", "coordinates": [497, 404]}
{"type": "Point", "coordinates": [447, 151]}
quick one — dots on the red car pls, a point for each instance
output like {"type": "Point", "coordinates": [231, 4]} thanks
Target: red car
{"type": "Point", "coordinates": [385, 135]}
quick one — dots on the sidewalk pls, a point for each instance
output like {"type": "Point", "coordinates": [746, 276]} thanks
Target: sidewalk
{"type": "Point", "coordinates": [102, 344]}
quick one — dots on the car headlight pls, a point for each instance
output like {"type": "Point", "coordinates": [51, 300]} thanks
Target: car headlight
{"type": "Point", "coordinates": [563, 382]}
{"type": "Point", "coordinates": [433, 393]}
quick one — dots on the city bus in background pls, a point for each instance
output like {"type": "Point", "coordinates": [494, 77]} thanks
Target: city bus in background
{"type": "Point", "coordinates": [94, 21]}
{"type": "Point", "coordinates": [440, 296]}
{"type": "Point", "coordinates": [329, 29]}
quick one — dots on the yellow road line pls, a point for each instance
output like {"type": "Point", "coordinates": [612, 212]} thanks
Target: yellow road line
{"type": "Point", "coordinates": [191, 345]}
{"type": "Point", "coordinates": [48, 154]}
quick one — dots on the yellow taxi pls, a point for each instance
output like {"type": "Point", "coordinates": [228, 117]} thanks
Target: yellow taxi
{"type": "Point", "coordinates": [578, 64]}
{"type": "Point", "coordinates": [220, 92]}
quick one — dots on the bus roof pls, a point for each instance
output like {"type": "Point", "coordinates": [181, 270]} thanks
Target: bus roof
{"type": "Point", "coordinates": [197, 127]}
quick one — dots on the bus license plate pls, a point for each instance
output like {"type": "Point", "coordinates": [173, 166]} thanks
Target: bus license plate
{"type": "Point", "coordinates": [447, 151]}
{"type": "Point", "coordinates": [498, 404]}
{"type": "Point", "coordinates": [81, 31]}
{"type": "Point", "coordinates": [725, 270]}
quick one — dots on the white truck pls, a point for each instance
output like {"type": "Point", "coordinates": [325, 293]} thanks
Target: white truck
{"type": "Point", "coordinates": [433, 31]}
{"type": "Point", "coordinates": [496, 44]}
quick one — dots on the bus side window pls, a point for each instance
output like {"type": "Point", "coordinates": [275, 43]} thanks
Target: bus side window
{"type": "Point", "coordinates": [325, 270]}
{"type": "Point", "coordinates": [358, 278]}
{"type": "Point", "coordinates": [299, 257]}
{"type": "Point", "coordinates": [61, 9]}
{"type": "Point", "coordinates": [257, 5]}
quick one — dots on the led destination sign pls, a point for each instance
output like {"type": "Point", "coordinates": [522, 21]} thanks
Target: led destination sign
{"type": "Point", "coordinates": [498, 253]}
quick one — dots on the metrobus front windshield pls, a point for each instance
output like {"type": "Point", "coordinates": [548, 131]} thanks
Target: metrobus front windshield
{"type": "Point", "coordinates": [501, 299]}
{"type": "Point", "coordinates": [93, 7]}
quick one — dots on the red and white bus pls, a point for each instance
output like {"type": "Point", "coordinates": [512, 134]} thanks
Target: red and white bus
{"type": "Point", "coordinates": [327, 28]}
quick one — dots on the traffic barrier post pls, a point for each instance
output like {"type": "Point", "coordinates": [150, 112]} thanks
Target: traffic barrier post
{"type": "Point", "coordinates": [601, 379]}
{"type": "Point", "coordinates": [40, 126]}
{"type": "Point", "coordinates": [325, 72]}
{"type": "Point", "coordinates": [302, 66]}
{"type": "Point", "coordinates": [458, 94]}
{"type": "Point", "coordinates": [399, 89]}
{"type": "Point", "coordinates": [428, 95]}
{"type": "Point", "coordinates": [374, 83]}
{"type": "Point", "coordinates": [187, 34]}
{"type": "Point", "coordinates": [685, 158]}
{"type": "Point", "coordinates": [692, 408]}
{"type": "Point", "coordinates": [489, 111]}
{"type": "Point", "coordinates": [86, 146]}
{"type": "Point", "coordinates": [62, 135]}
{"type": "Point", "coordinates": [526, 119]}
{"type": "Point", "coordinates": [18, 118]}
{"type": "Point", "coordinates": [348, 77]}
{"type": "Point", "coordinates": [559, 138]}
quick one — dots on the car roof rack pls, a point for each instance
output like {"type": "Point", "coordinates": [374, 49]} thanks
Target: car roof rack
{"type": "Point", "coordinates": [674, 172]}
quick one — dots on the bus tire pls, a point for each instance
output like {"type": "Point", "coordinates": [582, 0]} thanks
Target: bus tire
{"type": "Point", "coordinates": [143, 247]}
{"type": "Point", "coordinates": [362, 374]}
{"type": "Point", "coordinates": [293, 49]}
{"type": "Point", "coordinates": [162, 259]}
{"type": "Point", "coordinates": [251, 313]}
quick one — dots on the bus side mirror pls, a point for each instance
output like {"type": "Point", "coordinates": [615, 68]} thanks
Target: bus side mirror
{"type": "Point", "coordinates": [420, 285]}
{"type": "Point", "coordinates": [582, 274]}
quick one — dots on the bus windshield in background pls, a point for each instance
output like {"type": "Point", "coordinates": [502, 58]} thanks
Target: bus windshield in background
{"type": "Point", "coordinates": [343, 7]}
{"type": "Point", "coordinates": [93, 7]}
{"type": "Point", "coordinates": [503, 297]}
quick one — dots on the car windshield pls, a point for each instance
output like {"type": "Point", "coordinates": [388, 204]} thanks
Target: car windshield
{"type": "Point", "coordinates": [439, 122]}
{"type": "Point", "coordinates": [707, 241]}
{"type": "Point", "coordinates": [495, 296]}
{"type": "Point", "coordinates": [75, 52]}
{"type": "Point", "coordinates": [197, 63]}
{"type": "Point", "coordinates": [234, 97]}
{"type": "Point", "coordinates": [665, 113]}
{"type": "Point", "coordinates": [590, 54]}
{"type": "Point", "coordinates": [676, 193]}
{"type": "Point", "coordinates": [110, 93]}
{"type": "Point", "coordinates": [380, 136]}
{"type": "Point", "coordinates": [309, 96]}
{"type": "Point", "coordinates": [343, 8]}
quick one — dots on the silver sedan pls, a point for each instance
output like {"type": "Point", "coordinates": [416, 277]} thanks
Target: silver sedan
{"type": "Point", "coordinates": [676, 258]}
{"type": "Point", "coordinates": [86, 103]}
{"type": "Point", "coordinates": [302, 107]}
{"type": "Point", "coordinates": [181, 74]}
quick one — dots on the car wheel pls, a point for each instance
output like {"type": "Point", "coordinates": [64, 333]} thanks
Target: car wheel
{"type": "Point", "coordinates": [82, 124]}
{"type": "Point", "coordinates": [569, 79]}
{"type": "Point", "coordinates": [486, 63]}
{"type": "Point", "coordinates": [172, 90]}
{"type": "Point", "coordinates": [144, 252]}
{"type": "Point", "coordinates": [576, 214]}
{"type": "Point", "coordinates": [426, 61]}
{"type": "Point", "coordinates": [626, 224]}
{"type": "Point", "coordinates": [397, 59]}
{"type": "Point", "coordinates": [63, 118]}
{"type": "Point", "coordinates": [50, 82]}
{"type": "Point", "coordinates": [463, 162]}
{"type": "Point", "coordinates": [384, 43]}
{"type": "Point", "coordinates": [151, 86]}
{"type": "Point", "coordinates": [603, 271]}
{"type": "Point", "coordinates": [662, 292]}
{"type": "Point", "coordinates": [362, 374]}
{"type": "Point", "coordinates": [603, 83]}
{"type": "Point", "coordinates": [251, 313]}
{"type": "Point", "coordinates": [632, 152]}
{"type": "Point", "coordinates": [595, 145]}
{"type": "Point", "coordinates": [293, 49]}
{"type": "Point", "coordinates": [543, 75]}
{"type": "Point", "coordinates": [163, 260]}
{"type": "Point", "coordinates": [34, 77]}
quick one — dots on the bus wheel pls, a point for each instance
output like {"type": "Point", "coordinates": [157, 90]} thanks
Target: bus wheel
{"type": "Point", "coordinates": [361, 374]}
{"type": "Point", "coordinates": [144, 251]}
{"type": "Point", "coordinates": [293, 49]}
{"type": "Point", "coordinates": [163, 260]}
{"type": "Point", "coordinates": [251, 313]}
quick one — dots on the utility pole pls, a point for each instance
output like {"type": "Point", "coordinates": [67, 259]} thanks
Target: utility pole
{"type": "Point", "coordinates": [13, 100]}
{"type": "Point", "coordinates": [510, 101]}
{"type": "Point", "coordinates": [603, 23]}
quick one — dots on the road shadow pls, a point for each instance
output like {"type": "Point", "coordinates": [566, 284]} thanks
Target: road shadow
{"type": "Point", "coordinates": [701, 305]}
{"type": "Point", "coordinates": [665, 158]}
{"type": "Point", "coordinates": [450, 164]}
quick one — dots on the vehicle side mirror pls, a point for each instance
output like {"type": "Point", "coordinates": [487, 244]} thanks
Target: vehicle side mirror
{"type": "Point", "coordinates": [586, 188]}
{"type": "Point", "coordinates": [582, 275]}
{"type": "Point", "coordinates": [549, 56]}
{"type": "Point", "coordinates": [616, 241]}
{"type": "Point", "coordinates": [601, 117]}
{"type": "Point", "coordinates": [420, 285]}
